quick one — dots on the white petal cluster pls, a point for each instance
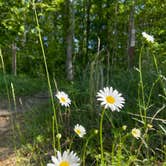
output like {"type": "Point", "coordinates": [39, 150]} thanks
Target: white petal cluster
{"type": "Point", "coordinates": [149, 38]}
{"type": "Point", "coordinates": [79, 130]}
{"type": "Point", "coordinates": [136, 133]}
{"type": "Point", "coordinates": [111, 99]}
{"type": "Point", "coordinates": [65, 159]}
{"type": "Point", "coordinates": [63, 99]}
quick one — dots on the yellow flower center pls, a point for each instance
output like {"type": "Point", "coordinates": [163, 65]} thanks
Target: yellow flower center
{"type": "Point", "coordinates": [134, 133]}
{"type": "Point", "coordinates": [63, 99]}
{"type": "Point", "coordinates": [78, 131]}
{"type": "Point", "coordinates": [64, 163]}
{"type": "Point", "coordinates": [110, 99]}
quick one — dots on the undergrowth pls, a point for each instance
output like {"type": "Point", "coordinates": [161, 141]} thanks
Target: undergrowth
{"type": "Point", "coordinates": [120, 148]}
{"type": "Point", "coordinates": [23, 85]}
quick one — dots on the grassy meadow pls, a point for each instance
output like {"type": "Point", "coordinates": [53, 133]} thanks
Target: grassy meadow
{"type": "Point", "coordinates": [110, 112]}
{"type": "Point", "coordinates": [35, 132]}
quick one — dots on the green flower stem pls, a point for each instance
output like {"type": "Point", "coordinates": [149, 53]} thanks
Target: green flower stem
{"type": "Point", "coordinates": [53, 135]}
{"type": "Point", "coordinates": [46, 68]}
{"type": "Point", "coordinates": [53, 132]}
{"type": "Point", "coordinates": [71, 142]}
{"type": "Point", "coordinates": [142, 87]}
{"type": "Point", "coordinates": [101, 137]}
{"type": "Point", "coordinates": [84, 149]}
{"type": "Point", "coordinates": [110, 119]}
{"type": "Point", "coordinates": [159, 74]}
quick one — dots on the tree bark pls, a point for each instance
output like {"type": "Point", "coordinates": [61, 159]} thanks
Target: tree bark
{"type": "Point", "coordinates": [131, 47]}
{"type": "Point", "coordinates": [88, 5]}
{"type": "Point", "coordinates": [69, 39]}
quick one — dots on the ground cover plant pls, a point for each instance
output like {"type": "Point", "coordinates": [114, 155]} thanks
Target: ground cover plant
{"type": "Point", "coordinates": [107, 105]}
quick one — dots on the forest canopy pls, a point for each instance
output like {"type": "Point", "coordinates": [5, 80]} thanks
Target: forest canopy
{"type": "Point", "coordinates": [75, 31]}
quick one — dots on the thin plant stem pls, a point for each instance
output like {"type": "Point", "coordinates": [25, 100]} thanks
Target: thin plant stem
{"type": "Point", "coordinates": [142, 87]}
{"type": "Point", "coordinates": [150, 118]}
{"type": "Point", "coordinates": [55, 83]}
{"type": "Point", "coordinates": [14, 116]}
{"type": "Point", "coordinates": [155, 63]}
{"type": "Point", "coordinates": [8, 97]}
{"type": "Point", "coordinates": [68, 114]}
{"type": "Point", "coordinates": [71, 142]}
{"type": "Point", "coordinates": [46, 68]}
{"type": "Point", "coordinates": [53, 132]}
{"type": "Point", "coordinates": [4, 76]}
{"type": "Point", "coordinates": [151, 90]}
{"type": "Point", "coordinates": [110, 120]}
{"type": "Point", "coordinates": [101, 137]}
{"type": "Point", "coordinates": [147, 129]}
{"type": "Point", "coordinates": [84, 148]}
{"type": "Point", "coordinates": [156, 66]}
{"type": "Point", "coordinates": [14, 97]}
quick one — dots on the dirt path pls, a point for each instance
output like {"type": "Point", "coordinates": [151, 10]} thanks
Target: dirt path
{"type": "Point", "coordinates": [7, 155]}
{"type": "Point", "coordinates": [6, 150]}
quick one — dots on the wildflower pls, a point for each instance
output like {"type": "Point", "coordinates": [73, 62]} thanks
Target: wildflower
{"type": "Point", "coordinates": [124, 127]}
{"type": "Point", "coordinates": [149, 38]}
{"type": "Point", "coordinates": [136, 133]}
{"type": "Point", "coordinates": [111, 99]}
{"type": "Point", "coordinates": [63, 99]}
{"type": "Point", "coordinates": [80, 130]}
{"type": "Point", "coordinates": [65, 159]}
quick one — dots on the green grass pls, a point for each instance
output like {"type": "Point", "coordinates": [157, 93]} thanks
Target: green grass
{"type": "Point", "coordinates": [23, 85]}
{"type": "Point", "coordinates": [120, 147]}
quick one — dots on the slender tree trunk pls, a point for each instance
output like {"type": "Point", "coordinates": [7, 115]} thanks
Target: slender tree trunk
{"type": "Point", "coordinates": [88, 5]}
{"type": "Point", "coordinates": [69, 39]}
{"type": "Point", "coordinates": [108, 46]}
{"type": "Point", "coordinates": [14, 59]}
{"type": "Point", "coordinates": [69, 66]}
{"type": "Point", "coordinates": [131, 42]}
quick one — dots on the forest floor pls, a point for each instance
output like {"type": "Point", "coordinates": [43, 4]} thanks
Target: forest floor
{"type": "Point", "coordinates": [23, 104]}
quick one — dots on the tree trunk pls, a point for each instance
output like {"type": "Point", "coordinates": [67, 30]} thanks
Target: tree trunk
{"type": "Point", "coordinates": [88, 5]}
{"type": "Point", "coordinates": [14, 59]}
{"type": "Point", "coordinates": [69, 39]}
{"type": "Point", "coordinates": [131, 46]}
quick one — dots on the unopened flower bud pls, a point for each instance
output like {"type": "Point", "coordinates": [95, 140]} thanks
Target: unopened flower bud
{"type": "Point", "coordinates": [96, 131]}
{"type": "Point", "coordinates": [59, 136]}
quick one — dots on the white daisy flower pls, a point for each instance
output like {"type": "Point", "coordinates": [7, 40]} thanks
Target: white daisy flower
{"type": "Point", "coordinates": [63, 99]}
{"type": "Point", "coordinates": [80, 130]}
{"type": "Point", "coordinates": [136, 133]}
{"type": "Point", "coordinates": [111, 99]}
{"type": "Point", "coordinates": [65, 159]}
{"type": "Point", "coordinates": [149, 38]}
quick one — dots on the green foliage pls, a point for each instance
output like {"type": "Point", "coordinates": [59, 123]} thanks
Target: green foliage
{"type": "Point", "coordinates": [107, 21]}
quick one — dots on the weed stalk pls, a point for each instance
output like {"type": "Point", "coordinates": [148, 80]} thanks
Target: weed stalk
{"type": "Point", "coordinates": [47, 73]}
